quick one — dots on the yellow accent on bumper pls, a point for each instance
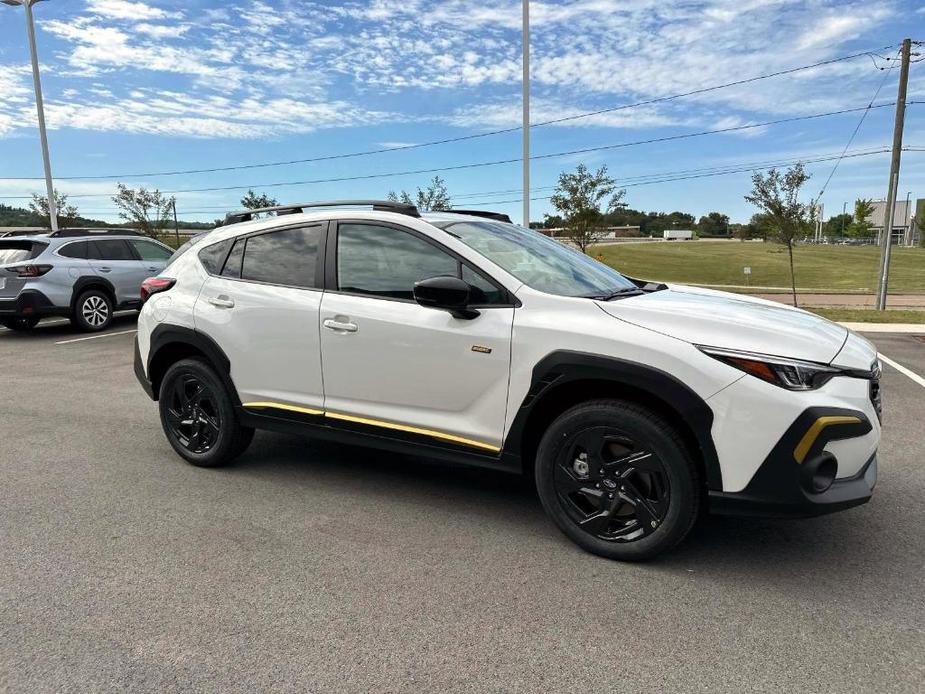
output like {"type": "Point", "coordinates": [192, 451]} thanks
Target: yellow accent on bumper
{"type": "Point", "coordinates": [376, 423]}
{"type": "Point", "coordinates": [809, 438]}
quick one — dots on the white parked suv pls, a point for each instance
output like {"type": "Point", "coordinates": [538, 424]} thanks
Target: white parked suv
{"type": "Point", "coordinates": [463, 337]}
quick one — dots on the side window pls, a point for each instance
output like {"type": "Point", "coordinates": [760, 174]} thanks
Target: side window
{"type": "Point", "coordinates": [232, 266]}
{"type": "Point", "coordinates": [386, 262]}
{"type": "Point", "coordinates": [483, 292]}
{"type": "Point", "coordinates": [151, 251]}
{"type": "Point", "coordinates": [286, 257]}
{"type": "Point", "coordinates": [74, 250]}
{"type": "Point", "coordinates": [213, 257]}
{"type": "Point", "coordinates": [111, 249]}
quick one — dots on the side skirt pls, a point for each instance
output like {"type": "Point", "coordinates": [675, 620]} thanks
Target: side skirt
{"type": "Point", "coordinates": [353, 434]}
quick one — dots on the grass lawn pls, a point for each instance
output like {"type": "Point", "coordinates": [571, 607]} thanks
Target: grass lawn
{"type": "Point", "coordinates": [862, 315]}
{"type": "Point", "coordinates": [844, 268]}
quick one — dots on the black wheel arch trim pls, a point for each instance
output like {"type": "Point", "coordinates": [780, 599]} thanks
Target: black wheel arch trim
{"type": "Point", "coordinates": [85, 282]}
{"type": "Point", "coordinates": [565, 366]}
{"type": "Point", "coordinates": [163, 336]}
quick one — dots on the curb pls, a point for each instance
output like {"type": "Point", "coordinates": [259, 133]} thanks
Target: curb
{"type": "Point", "coordinates": [908, 328]}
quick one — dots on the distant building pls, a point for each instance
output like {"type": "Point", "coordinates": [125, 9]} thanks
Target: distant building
{"type": "Point", "coordinates": [902, 220]}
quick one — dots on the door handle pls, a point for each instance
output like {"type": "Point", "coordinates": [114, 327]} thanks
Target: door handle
{"type": "Point", "coordinates": [153, 268]}
{"type": "Point", "coordinates": [340, 326]}
{"type": "Point", "coordinates": [104, 268]}
{"type": "Point", "coordinates": [221, 302]}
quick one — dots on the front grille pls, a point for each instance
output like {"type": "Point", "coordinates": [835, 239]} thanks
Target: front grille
{"type": "Point", "coordinates": [875, 395]}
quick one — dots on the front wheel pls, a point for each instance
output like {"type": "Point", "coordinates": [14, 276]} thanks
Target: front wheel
{"type": "Point", "coordinates": [618, 480]}
{"type": "Point", "coordinates": [19, 324]}
{"type": "Point", "coordinates": [198, 415]}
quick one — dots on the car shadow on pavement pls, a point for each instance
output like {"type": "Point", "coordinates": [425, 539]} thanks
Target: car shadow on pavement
{"type": "Point", "coordinates": [62, 328]}
{"type": "Point", "coordinates": [731, 545]}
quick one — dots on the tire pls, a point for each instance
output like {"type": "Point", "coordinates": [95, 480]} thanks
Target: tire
{"type": "Point", "coordinates": [648, 497]}
{"type": "Point", "coordinates": [92, 311]}
{"type": "Point", "coordinates": [198, 415]}
{"type": "Point", "coordinates": [21, 325]}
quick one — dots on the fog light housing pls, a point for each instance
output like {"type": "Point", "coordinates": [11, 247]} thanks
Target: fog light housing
{"type": "Point", "coordinates": [818, 473]}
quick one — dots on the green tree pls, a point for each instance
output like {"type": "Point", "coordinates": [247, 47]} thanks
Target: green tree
{"type": "Point", "coordinates": [434, 197]}
{"type": "Point", "coordinates": [837, 225]}
{"type": "Point", "coordinates": [67, 214]}
{"type": "Point", "coordinates": [579, 197]}
{"type": "Point", "coordinates": [713, 224]}
{"type": "Point", "coordinates": [777, 195]}
{"type": "Point", "coordinates": [860, 227]}
{"type": "Point", "coordinates": [149, 210]}
{"type": "Point", "coordinates": [552, 221]}
{"type": "Point", "coordinates": [252, 201]}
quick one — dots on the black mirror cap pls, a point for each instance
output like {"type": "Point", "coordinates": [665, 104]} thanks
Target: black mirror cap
{"type": "Point", "coordinates": [447, 293]}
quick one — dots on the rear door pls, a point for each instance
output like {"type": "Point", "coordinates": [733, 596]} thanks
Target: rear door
{"type": "Point", "coordinates": [115, 260]}
{"type": "Point", "coordinates": [152, 257]}
{"type": "Point", "coordinates": [261, 304]}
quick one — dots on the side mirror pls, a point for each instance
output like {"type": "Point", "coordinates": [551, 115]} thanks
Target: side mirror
{"type": "Point", "coordinates": [447, 293]}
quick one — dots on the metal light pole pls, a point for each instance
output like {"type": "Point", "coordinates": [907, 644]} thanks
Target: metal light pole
{"type": "Point", "coordinates": [526, 114]}
{"type": "Point", "coordinates": [40, 107]}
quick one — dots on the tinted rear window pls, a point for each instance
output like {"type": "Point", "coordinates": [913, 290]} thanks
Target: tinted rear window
{"type": "Point", "coordinates": [213, 257]}
{"type": "Point", "coordinates": [286, 257]}
{"type": "Point", "coordinates": [18, 251]}
{"type": "Point", "coordinates": [111, 249]}
{"type": "Point", "coordinates": [77, 249]}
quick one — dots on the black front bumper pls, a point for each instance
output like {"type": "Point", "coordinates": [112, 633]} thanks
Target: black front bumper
{"type": "Point", "coordinates": [783, 484]}
{"type": "Point", "coordinates": [29, 303]}
{"type": "Point", "coordinates": [140, 372]}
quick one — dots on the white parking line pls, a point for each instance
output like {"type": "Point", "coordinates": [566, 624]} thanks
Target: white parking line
{"type": "Point", "coordinates": [94, 337]}
{"type": "Point", "coordinates": [903, 370]}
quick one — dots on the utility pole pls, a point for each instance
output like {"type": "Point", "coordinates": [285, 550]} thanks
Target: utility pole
{"type": "Point", "coordinates": [886, 238]}
{"type": "Point", "coordinates": [40, 107]}
{"type": "Point", "coordinates": [526, 114]}
{"type": "Point", "coordinates": [176, 225]}
{"type": "Point", "coordinates": [844, 211]}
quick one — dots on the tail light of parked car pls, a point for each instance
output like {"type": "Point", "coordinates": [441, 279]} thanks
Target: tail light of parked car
{"type": "Point", "coordinates": [155, 285]}
{"type": "Point", "coordinates": [29, 270]}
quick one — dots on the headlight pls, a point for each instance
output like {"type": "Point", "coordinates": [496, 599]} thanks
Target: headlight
{"type": "Point", "coordinates": [791, 374]}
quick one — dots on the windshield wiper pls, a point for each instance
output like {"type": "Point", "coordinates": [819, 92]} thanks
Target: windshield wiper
{"type": "Point", "coordinates": [626, 291]}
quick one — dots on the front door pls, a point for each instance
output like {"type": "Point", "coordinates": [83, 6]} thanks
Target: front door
{"type": "Point", "coordinates": [392, 364]}
{"type": "Point", "coordinates": [262, 307]}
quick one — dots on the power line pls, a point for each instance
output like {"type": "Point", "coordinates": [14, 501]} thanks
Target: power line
{"type": "Point", "coordinates": [463, 138]}
{"type": "Point", "coordinates": [458, 167]}
{"type": "Point", "coordinates": [886, 74]}
{"type": "Point", "coordinates": [672, 178]}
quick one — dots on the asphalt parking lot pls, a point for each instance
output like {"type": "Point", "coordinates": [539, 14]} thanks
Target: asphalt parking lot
{"type": "Point", "coordinates": [315, 567]}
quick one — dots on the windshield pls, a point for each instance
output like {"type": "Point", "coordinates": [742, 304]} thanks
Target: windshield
{"type": "Point", "coordinates": [18, 251]}
{"type": "Point", "coordinates": [538, 261]}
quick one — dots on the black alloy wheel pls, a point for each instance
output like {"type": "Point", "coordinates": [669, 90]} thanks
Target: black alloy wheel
{"type": "Point", "coordinates": [198, 415]}
{"type": "Point", "coordinates": [618, 479]}
{"type": "Point", "coordinates": [612, 486]}
{"type": "Point", "coordinates": [192, 414]}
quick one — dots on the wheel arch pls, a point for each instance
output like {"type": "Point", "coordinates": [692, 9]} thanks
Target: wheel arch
{"type": "Point", "coordinates": [86, 282]}
{"type": "Point", "coordinates": [565, 378]}
{"type": "Point", "coordinates": [171, 343]}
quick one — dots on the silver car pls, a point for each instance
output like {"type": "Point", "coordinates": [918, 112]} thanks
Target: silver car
{"type": "Point", "coordinates": [84, 274]}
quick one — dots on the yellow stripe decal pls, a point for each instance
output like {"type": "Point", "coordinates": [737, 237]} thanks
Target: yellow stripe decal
{"type": "Point", "coordinates": [376, 423]}
{"type": "Point", "coordinates": [281, 406]}
{"type": "Point", "coordinates": [809, 438]}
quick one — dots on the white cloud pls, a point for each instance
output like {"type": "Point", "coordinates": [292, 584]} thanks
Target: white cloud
{"type": "Point", "coordinates": [124, 9]}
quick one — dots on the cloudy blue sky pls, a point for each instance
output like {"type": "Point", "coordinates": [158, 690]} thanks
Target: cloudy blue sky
{"type": "Point", "coordinates": [162, 85]}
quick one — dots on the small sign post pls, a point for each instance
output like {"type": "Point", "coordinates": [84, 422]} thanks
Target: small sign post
{"type": "Point", "coordinates": [748, 275]}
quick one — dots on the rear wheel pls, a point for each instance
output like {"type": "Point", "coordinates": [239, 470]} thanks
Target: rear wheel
{"type": "Point", "coordinates": [617, 480]}
{"type": "Point", "coordinates": [19, 324]}
{"type": "Point", "coordinates": [92, 311]}
{"type": "Point", "coordinates": [198, 415]}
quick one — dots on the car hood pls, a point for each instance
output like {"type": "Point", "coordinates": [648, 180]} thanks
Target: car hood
{"type": "Point", "coordinates": [732, 321]}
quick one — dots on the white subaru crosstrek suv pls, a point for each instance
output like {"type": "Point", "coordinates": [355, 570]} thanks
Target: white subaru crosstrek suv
{"type": "Point", "coordinates": [462, 337]}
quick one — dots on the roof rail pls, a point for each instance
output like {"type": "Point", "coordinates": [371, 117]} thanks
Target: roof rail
{"type": "Point", "coordinates": [497, 216]}
{"type": "Point", "coordinates": [378, 205]}
{"type": "Point", "coordinates": [74, 233]}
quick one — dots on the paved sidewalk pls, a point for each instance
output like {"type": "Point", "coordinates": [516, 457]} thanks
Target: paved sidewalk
{"type": "Point", "coordinates": [904, 328]}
